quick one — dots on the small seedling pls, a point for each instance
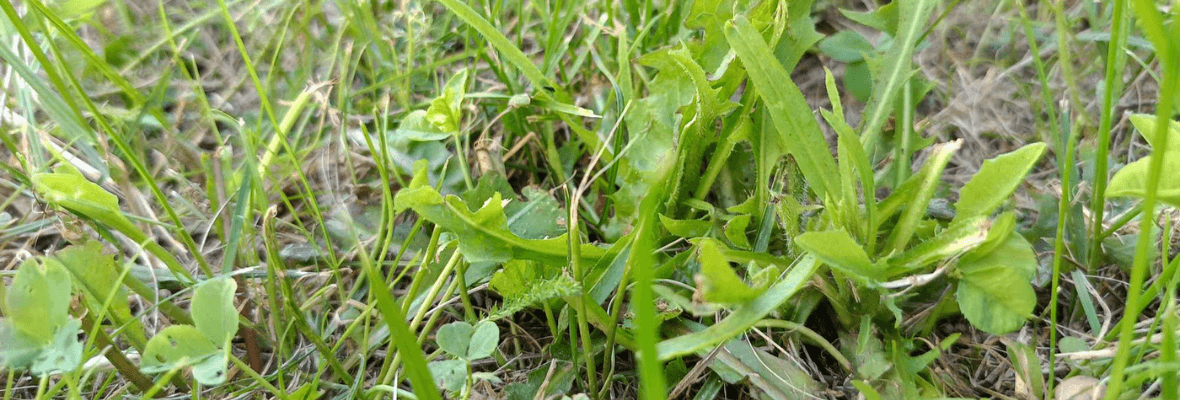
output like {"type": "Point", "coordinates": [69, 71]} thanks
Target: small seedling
{"type": "Point", "coordinates": [466, 344]}
{"type": "Point", "coordinates": [204, 347]}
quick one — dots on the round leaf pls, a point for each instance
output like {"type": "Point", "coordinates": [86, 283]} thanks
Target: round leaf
{"type": "Point", "coordinates": [212, 370]}
{"type": "Point", "coordinates": [38, 302]}
{"type": "Point", "coordinates": [483, 340]}
{"type": "Point", "coordinates": [449, 374]}
{"type": "Point", "coordinates": [994, 293]}
{"type": "Point", "coordinates": [176, 346]}
{"type": "Point", "coordinates": [454, 338]}
{"type": "Point", "coordinates": [63, 355]}
{"type": "Point", "coordinates": [213, 310]}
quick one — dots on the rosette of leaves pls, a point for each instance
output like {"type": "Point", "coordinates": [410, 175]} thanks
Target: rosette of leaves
{"type": "Point", "coordinates": [992, 265]}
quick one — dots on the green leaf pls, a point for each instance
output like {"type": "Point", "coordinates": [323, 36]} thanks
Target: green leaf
{"type": "Point", "coordinates": [788, 109]}
{"type": "Point", "coordinates": [455, 338]}
{"type": "Point", "coordinates": [483, 235]}
{"type": "Point", "coordinates": [837, 249]}
{"type": "Point", "coordinates": [211, 371]}
{"type": "Point", "coordinates": [884, 18]}
{"type": "Point", "coordinates": [445, 112]}
{"type": "Point", "coordinates": [38, 300]}
{"type": "Point", "coordinates": [743, 317]}
{"type": "Point", "coordinates": [994, 292]}
{"type": "Point", "coordinates": [896, 68]}
{"type": "Point", "coordinates": [955, 240]}
{"type": "Point", "coordinates": [1145, 125]}
{"type": "Point", "coordinates": [686, 228]}
{"type": "Point", "coordinates": [98, 278]}
{"type": "Point", "coordinates": [996, 180]}
{"type": "Point", "coordinates": [17, 349]}
{"type": "Point", "coordinates": [63, 355]}
{"type": "Point", "coordinates": [541, 217]}
{"type": "Point", "coordinates": [779, 378]}
{"type": "Point", "coordinates": [800, 35]}
{"type": "Point", "coordinates": [717, 283]}
{"type": "Point", "coordinates": [177, 346]}
{"type": "Point", "coordinates": [919, 194]}
{"type": "Point", "coordinates": [415, 127]}
{"type": "Point", "coordinates": [72, 191]}
{"type": "Point", "coordinates": [213, 310]}
{"type": "Point", "coordinates": [449, 374]}
{"type": "Point", "coordinates": [1131, 181]}
{"type": "Point", "coordinates": [483, 340]}
{"type": "Point", "coordinates": [735, 231]}
{"type": "Point", "coordinates": [846, 46]}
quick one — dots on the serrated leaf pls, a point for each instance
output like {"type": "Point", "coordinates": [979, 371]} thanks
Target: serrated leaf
{"type": "Point", "coordinates": [788, 108]}
{"type": "Point", "coordinates": [38, 300]}
{"type": "Point", "coordinates": [483, 340]}
{"type": "Point", "coordinates": [996, 180]}
{"type": "Point", "coordinates": [837, 249]}
{"type": "Point", "coordinates": [884, 18]}
{"type": "Point", "coordinates": [896, 67]}
{"type": "Point", "coordinates": [955, 240]}
{"type": "Point", "coordinates": [717, 283]}
{"type": "Point", "coordinates": [524, 284]}
{"type": "Point", "coordinates": [176, 346]}
{"type": "Point", "coordinates": [483, 234]}
{"type": "Point", "coordinates": [454, 338]}
{"type": "Point", "coordinates": [213, 310]}
{"type": "Point", "coordinates": [994, 292]}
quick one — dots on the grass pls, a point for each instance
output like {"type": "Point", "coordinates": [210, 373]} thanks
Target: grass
{"type": "Point", "coordinates": [534, 199]}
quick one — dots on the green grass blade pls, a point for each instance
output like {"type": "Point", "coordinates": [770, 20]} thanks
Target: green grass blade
{"type": "Point", "coordinates": [896, 68]}
{"type": "Point", "coordinates": [744, 316]}
{"type": "Point", "coordinates": [1168, 53]}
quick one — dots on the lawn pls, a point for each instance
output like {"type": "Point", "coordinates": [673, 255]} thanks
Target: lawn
{"type": "Point", "coordinates": [555, 199]}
